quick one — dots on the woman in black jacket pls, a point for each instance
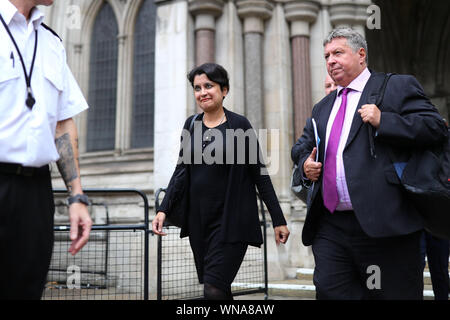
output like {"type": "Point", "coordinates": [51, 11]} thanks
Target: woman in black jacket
{"type": "Point", "coordinates": [224, 165]}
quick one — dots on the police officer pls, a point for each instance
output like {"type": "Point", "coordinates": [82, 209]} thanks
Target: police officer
{"type": "Point", "coordinates": [38, 98]}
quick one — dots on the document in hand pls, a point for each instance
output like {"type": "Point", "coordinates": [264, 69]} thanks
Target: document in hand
{"type": "Point", "coordinates": [316, 136]}
{"type": "Point", "coordinates": [317, 139]}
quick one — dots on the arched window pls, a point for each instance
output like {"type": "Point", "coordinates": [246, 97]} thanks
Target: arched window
{"type": "Point", "coordinates": [144, 77]}
{"type": "Point", "coordinates": [103, 82]}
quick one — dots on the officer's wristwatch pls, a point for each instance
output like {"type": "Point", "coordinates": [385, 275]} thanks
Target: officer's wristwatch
{"type": "Point", "coordinates": [81, 198]}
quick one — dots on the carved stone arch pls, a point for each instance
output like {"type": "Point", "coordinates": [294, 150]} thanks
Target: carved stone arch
{"type": "Point", "coordinates": [118, 7]}
{"type": "Point", "coordinates": [131, 13]}
{"type": "Point", "coordinates": [89, 15]}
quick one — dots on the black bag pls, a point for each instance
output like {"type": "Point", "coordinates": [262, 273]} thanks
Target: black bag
{"type": "Point", "coordinates": [178, 194]}
{"type": "Point", "coordinates": [426, 180]}
{"type": "Point", "coordinates": [297, 186]}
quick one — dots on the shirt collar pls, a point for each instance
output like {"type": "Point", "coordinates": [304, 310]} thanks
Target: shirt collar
{"type": "Point", "coordinates": [358, 83]}
{"type": "Point", "coordinates": [9, 12]}
{"type": "Point", "coordinates": [36, 17]}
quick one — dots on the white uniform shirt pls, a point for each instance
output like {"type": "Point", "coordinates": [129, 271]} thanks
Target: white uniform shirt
{"type": "Point", "coordinates": [28, 136]}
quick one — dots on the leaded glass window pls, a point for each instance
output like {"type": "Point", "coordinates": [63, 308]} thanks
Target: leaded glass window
{"type": "Point", "coordinates": [103, 82]}
{"type": "Point", "coordinates": [143, 77]}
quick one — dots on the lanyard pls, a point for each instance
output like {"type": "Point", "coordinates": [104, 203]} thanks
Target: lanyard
{"type": "Point", "coordinates": [30, 101]}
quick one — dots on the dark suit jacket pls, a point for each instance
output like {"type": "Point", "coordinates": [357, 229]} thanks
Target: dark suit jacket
{"type": "Point", "coordinates": [240, 222]}
{"type": "Point", "coordinates": [408, 120]}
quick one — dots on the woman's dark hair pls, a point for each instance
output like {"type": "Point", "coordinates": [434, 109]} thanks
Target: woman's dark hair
{"type": "Point", "coordinates": [214, 72]}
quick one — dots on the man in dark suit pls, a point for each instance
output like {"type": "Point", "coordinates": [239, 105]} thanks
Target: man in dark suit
{"type": "Point", "coordinates": [365, 236]}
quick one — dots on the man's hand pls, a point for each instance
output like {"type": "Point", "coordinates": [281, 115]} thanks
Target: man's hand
{"type": "Point", "coordinates": [80, 226]}
{"type": "Point", "coordinates": [158, 223]}
{"type": "Point", "coordinates": [281, 234]}
{"type": "Point", "coordinates": [311, 168]}
{"type": "Point", "coordinates": [370, 114]}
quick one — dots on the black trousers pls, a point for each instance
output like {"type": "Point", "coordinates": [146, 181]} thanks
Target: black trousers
{"type": "Point", "coordinates": [352, 266]}
{"type": "Point", "coordinates": [437, 252]}
{"type": "Point", "coordinates": [26, 234]}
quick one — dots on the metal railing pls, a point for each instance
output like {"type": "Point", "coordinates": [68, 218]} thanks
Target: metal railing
{"type": "Point", "coordinates": [177, 277]}
{"type": "Point", "coordinates": [114, 264]}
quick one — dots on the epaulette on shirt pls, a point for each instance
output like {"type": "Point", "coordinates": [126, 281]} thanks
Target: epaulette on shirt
{"type": "Point", "coordinates": [51, 30]}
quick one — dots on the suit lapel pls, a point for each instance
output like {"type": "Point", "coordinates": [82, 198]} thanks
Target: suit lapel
{"type": "Point", "coordinates": [322, 121]}
{"type": "Point", "coordinates": [366, 97]}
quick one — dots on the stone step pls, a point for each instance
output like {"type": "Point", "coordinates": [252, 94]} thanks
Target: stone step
{"type": "Point", "coordinates": [307, 274]}
{"type": "Point", "coordinates": [302, 290]}
{"type": "Point", "coordinates": [303, 286]}
{"type": "Point", "coordinates": [293, 288]}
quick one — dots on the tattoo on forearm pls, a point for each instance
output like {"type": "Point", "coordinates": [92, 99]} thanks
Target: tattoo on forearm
{"type": "Point", "coordinates": [66, 163]}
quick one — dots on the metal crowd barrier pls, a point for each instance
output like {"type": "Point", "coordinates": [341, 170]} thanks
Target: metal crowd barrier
{"type": "Point", "coordinates": [114, 264]}
{"type": "Point", "coordinates": [177, 277]}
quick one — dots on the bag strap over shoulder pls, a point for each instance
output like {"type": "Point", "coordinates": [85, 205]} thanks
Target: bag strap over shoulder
{"type": "Point", "coordinates": [378, 103]}
{"type": "Point", "coordinates": [383, 89]}
{"type": "Point", "coordinates": [191, 125]}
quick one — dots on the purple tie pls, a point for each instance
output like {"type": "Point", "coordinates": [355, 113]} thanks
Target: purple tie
{"type": "Point", "coordinates": [330, 193]}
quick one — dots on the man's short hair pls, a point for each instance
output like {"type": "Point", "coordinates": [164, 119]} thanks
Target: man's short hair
{"type": "Point", "coordinates": [354, 39]}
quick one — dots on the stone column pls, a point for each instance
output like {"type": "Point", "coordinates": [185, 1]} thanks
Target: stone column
{"type": "Point", "coordinates": [124, 99]}
{"type": "Point", "coordinates": [350, 13]}
{"type": "Point", "coordinates": [361, 16]}
{"type": "Point", "coordinates": [230, 54]}
{"type": "Point", "coordinates": [342, 13]}
{"type": "Point", "coordinates": [301, 13]}
{"type": "Point", "coordinates": [172, 59]}
{"type": "Point", "coordinates": [205, 13]}
{"type": "Point", "coordinates": [81, 119]}
{"type": "Point", "coordinates": [253, 13]}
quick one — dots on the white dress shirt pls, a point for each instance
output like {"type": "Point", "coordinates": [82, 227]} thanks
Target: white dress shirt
{"type": "Point", "coordinates": [27, 136]}
{"type": "Point", "coordinates": [357, 86]}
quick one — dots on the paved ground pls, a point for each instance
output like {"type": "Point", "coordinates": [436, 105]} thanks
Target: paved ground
{"type": "Point", "coordinates": [260, 296]}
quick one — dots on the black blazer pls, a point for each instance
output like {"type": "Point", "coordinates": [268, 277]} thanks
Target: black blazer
{"type": "Point", "coordinates": [408, 120]}
{"type": "Point", "coordinates": [240, 222]}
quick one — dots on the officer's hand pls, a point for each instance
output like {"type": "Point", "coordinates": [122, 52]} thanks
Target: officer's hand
{"type": "Point", "coordinates": [80, 226]}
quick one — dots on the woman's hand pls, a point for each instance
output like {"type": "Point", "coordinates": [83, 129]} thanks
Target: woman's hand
{"type": "Point", "coordinates": [158, 223]}
{"type": "Point", "coordinates": [281, 234]}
